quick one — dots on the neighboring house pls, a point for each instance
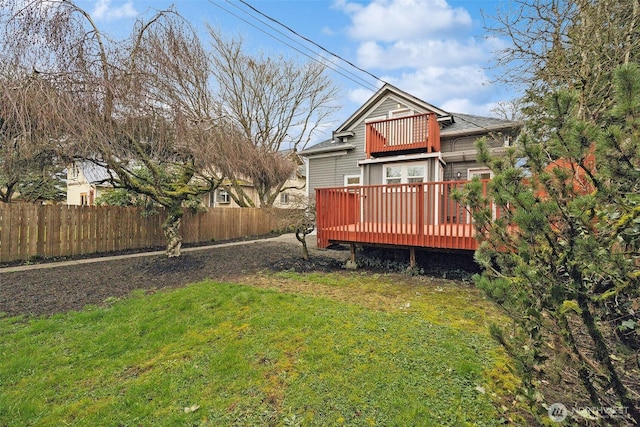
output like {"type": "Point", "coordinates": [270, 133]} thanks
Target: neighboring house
{"type": "Point", "coordinates": [386, 175]}
{"type": "Point", "coordinates": [292, 197]}
{"type": "Point", "coordinates": [220, 198]}
{"type": "Point", "coordinates": [86, 181]}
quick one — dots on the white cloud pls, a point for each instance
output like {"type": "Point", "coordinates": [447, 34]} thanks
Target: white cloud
{"type": "Point", "coordinates": [467, 106]}
{"type": "Point", "coordinates": [464, 89]}
{"type": "Point", "coordinates": [103, 11]}
{"type": "Point", "coordinates": [426, 48]}
{"type": "Point", "coordinates": [422, 53]}
{"type": "Point", "coordinates": [392, 20]}
{"type": "Point", "coordinates": [359, 96]}
{"type": "Point", "coordinates": [439, 84]}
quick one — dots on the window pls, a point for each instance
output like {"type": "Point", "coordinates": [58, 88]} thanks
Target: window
{"type": "Point", "coordinates": [393, 174]}
{"type": "Point", "coordinates": [284, 198]}
{"type": "Point", "coordinates": [481, 173]}
{"type": "Point", "coordinates": [415, 174]}
{"type": "Point", "coordinates": [351, 180]}
{"type": "Point", "coordinates": [403, 174]}
{"type": "Point", "coordinates": [223, 197]}
{"type": "Point", "coordinates": [84, 199]}
{"type": "Point", "coordinates": [74, 171]}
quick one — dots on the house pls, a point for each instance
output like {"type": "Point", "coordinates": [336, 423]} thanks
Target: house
{"type": "Point", "coordinates": [86, 181]}
{"type": "Point", "coordinates": [386, 175]}
{"type": "Point", "coordinates": [288, 198]}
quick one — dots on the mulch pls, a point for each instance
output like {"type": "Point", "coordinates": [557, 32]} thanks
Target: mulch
{"type": "Point", "coordinates": [71, 287]}
{"type": "Point", "coordinates": [60, 288]}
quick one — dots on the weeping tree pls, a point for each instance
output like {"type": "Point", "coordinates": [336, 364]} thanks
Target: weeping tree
{"type": "Point", "coordinates": [139, 104]}
{"type": "Point", "coordinates": [165, 132]}
{"type": "Point", "coordinates": [300, 218]}
{"type": "Point", "coordinates": [277, 104]}
{"type": "Point", "coordinates": [33, 116]}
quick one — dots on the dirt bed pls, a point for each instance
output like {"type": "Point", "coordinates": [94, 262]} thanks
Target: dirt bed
{"type": "Point", "coordinates": [71, 287]}
{"type": "Point", "coordinates": [58, 289]}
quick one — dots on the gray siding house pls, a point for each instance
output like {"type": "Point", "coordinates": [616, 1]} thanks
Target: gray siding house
{"type": "Point", "coordinates": [396, 139]}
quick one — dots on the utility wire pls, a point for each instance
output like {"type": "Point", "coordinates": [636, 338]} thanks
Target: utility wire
{"type": "Point", "coordinates": [312, 42]}
{"type": "Point", "coordinates": [364, 82]}
{"type": "Point", "coordinates": [361, 82]}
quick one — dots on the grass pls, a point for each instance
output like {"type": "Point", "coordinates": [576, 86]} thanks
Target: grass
{"type": "Point", "coordinates": [340, 349]}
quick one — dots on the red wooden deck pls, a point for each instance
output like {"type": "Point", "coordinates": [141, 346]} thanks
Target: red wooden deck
{"type": "Point", "coordinates": [410, 215]}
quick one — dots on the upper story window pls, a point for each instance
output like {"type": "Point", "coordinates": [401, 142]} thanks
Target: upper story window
{"type": "Point", "coordinates": [223, 197]}
{"type": "Point", "coordinates": [481, 173]}
{"type": "Point", "coordinates": [351, 180]}
{"type": "Point", "coordinates": [284, 198]}
{"type": "Point", "coordinates": [74, 171]}
{"type": "Point", "coordinates": [404, 174]}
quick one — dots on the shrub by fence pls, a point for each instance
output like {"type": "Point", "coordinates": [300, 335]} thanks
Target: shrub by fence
{"type": "Point", "coordinates": [28, 231]}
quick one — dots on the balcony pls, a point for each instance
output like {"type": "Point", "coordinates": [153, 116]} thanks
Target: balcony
{"type": "Point", "coordinates": [403, 135]}
{"type": "Point", "coordinates": [410, 215]}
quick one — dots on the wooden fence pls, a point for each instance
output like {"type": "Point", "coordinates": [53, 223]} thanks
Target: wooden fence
{"type": "Point", "coordinates": [28, 231]}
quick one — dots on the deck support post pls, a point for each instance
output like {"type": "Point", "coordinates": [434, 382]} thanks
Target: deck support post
{"type": "Point", "coordinates": [351, 264]}
{"type": "Point", "coordinates": [412, 257]}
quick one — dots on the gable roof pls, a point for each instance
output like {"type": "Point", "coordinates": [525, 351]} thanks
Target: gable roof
{"type": "Point", "coordinates": [452, 124]}
{"type": "Point", "coordinates": [385, 91]}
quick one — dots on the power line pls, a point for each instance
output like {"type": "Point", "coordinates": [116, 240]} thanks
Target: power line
{"type": "Point", "coordinates": [327, 62]}
{"type": "Point", "coordinates": [361, 82]}
{"type": "Point", "coordinates": [312, 42]}
{"type": "Point", "coordinates": [364, 82]}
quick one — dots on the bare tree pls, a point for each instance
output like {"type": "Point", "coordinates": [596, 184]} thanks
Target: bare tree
{"type": "Point", "coordinates": [567, 43]}
{"type": "Point", "coordinates": [278, 104]}
{"type": "Point", "coordinates": [509, 110]}
{"type": "Point", "coordinates": [300, 218]}
{"type": "Point", "coordinates": [141, 107]}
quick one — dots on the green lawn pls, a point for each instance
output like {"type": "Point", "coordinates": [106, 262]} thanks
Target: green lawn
{"type": "Point", "coordinates": [229, 354]}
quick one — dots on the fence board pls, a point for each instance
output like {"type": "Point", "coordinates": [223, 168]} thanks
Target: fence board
{"type": "Point", "coordinates": [48, 231]}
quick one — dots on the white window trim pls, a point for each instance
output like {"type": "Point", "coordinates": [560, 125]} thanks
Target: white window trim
{"type": "Point", "coordinates": [347, 177]}
{"type": "Point", "coordinates": [400, 112]}
{"type": "Point", "coordinates": [471, 172]}
{"type": "Point", "coordinates": [220, 197]}
{"type": "Point", "coordinates": [403, 176]}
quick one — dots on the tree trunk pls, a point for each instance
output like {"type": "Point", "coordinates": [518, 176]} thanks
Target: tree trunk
{"type": "Point", "coordinates": [171, 229]}
{"type": "Point", "coordinates": [302, 238]}
{"type": "Point", "coordinates": [603, 355]}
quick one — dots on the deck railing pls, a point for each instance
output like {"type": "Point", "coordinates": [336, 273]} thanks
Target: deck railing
{"type": "Point", "coordinates": [417, 132]}
{"type": "Point", "coordinates": [417, 214]}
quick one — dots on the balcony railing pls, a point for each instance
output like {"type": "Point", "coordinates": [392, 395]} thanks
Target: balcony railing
{"type": "Point", "coordinates": [418, 214]}
{"type": "Point", "coordinates": [405, 134]}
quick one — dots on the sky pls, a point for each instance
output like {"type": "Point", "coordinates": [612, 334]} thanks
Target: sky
{"type": "Point", "coordinates": [436, 50]}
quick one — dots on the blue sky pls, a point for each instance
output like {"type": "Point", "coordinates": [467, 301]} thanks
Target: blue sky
{"type": "Point", "coordinates": [437, 50]}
